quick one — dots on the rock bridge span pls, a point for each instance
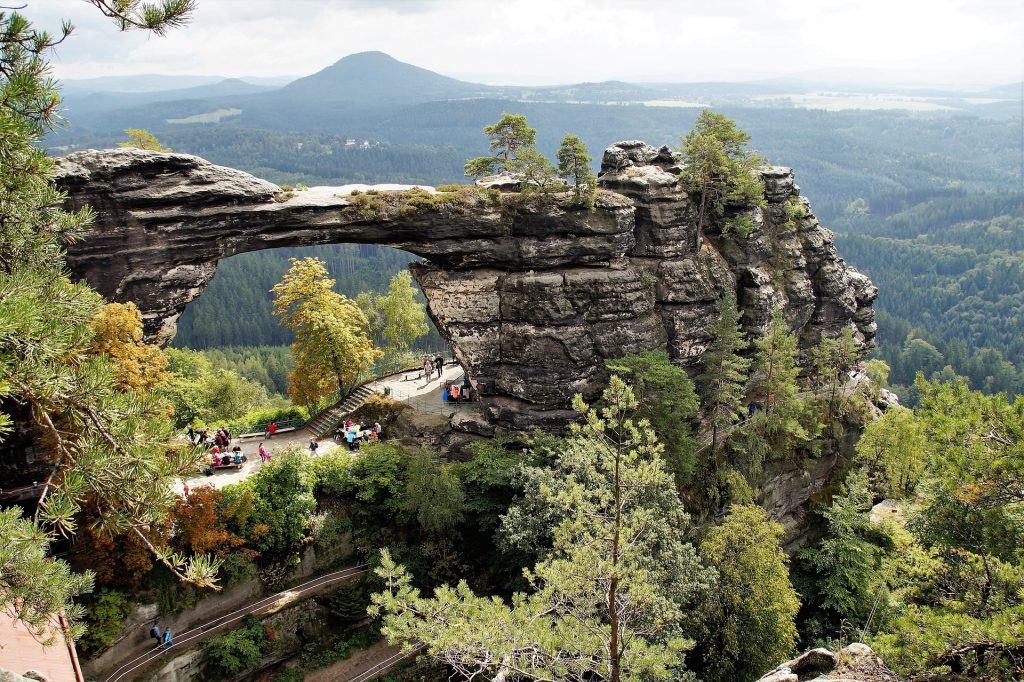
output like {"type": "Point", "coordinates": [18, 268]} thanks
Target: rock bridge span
{"type": "Point", "coordinates": [533, 293]}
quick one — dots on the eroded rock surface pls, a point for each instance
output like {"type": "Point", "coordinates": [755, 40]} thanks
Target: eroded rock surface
{"type": "Point", "coordinates": [534, 294]}
{"type": "Point", "coordinates": [854, 663]}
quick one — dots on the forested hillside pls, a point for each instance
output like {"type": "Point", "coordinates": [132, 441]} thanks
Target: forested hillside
{"type": "Point", "coordinates": [950, 270]}
{"type": "Point", "coordinates": [235, 310]}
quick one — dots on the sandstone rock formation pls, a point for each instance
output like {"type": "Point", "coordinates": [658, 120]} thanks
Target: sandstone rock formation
{"type": "Point", "coordinates": [854, 663]}
{"type": "Point", "coordinates": [533, 293]}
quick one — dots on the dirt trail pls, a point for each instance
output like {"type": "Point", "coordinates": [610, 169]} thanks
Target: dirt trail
{"type": "Point", "coordinates": [359, 666]}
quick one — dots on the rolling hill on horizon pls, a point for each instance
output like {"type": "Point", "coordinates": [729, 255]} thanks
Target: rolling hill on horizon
{"type": "Point", "coordinates": [366, 83]}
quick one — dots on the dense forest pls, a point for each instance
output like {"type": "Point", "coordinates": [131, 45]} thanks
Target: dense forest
{"type": "Point", "coordinates": [235, 310]}
{"type": "Point", "coordinates": [950, 271]}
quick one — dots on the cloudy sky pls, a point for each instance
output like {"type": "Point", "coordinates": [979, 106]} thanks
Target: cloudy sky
{"type": "Point", "coordinates": [968, 42]}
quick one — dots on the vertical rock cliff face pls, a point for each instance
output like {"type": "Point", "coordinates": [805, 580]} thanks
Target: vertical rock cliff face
{"type": "Point", "coordinates": [535, 294]}
{"type": "Point", "coordinates": [788, 261]}
{"type": "Point", "coordinates": [531, 339]}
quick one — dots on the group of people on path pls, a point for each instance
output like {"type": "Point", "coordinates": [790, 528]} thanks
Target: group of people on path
{"type": "Point", "coordinates": [355, 434]}
{"type": "Point", "coordinates": [163, 639]}
{"type": "Point", "coordinates": [431, 364]}
{"type": "Point", "coordinates": [218, 444]}
{"type": "Point", "coordinates": [458, 391]}
{"type": "Point", "coordinates": [221, 437]}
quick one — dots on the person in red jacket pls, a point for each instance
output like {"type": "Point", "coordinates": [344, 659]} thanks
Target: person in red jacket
{"type": "Point", "coordinates": [271, 429]}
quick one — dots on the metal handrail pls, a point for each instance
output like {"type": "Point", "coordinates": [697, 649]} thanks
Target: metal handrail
{"type": "Point", "coordinates": [386, 664]}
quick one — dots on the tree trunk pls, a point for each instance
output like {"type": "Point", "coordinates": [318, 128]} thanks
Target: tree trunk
{"type": "Point", "coordinates": [615, 663]}
{"type": "Point", "coordinates": [700, 216]}
{"type": "Point", "coordinates": [337, 374]}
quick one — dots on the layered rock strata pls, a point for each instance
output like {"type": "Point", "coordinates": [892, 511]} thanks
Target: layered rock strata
{"type": "Point", "coordinates": [533, 293]}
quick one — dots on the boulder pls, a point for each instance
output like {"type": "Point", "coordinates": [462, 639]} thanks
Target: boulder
{"type": "Point", "coordinates": [854, 663]}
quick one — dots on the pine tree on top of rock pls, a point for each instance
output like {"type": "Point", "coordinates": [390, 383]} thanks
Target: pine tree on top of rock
{"type": "Point", "coordinates": [721, 172]}
{"type": "Point", "coordinates": [574, 167]}
{"type": "Point", "coordinates": [142, 139]}
{"type": "Point", "coordinates": [514, 144]}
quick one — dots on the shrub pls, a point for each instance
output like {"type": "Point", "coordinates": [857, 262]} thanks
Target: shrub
{"type": "Point", "coordinates": [259, 417]}
{"type": "Point", "coordinates": [282, 503]}
{"type": "Point", "coordinates": [290, 675]}
{"type": "Point", "coordinates": [360, 639]}
{"type": "Point", "coordinates": [795, 209]}
{"type": "Point", "coordinates": [237, 651]}
{"type": "Point", "coordinates": [105, 614]}
{"type": "Point", "coordinates": [378, 408]}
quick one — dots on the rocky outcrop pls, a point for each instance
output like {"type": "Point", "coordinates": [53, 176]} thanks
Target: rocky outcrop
{"type": "Point", "coordinates": [854, 663]}
{"type": "Point", "coordinates": [533, 293]}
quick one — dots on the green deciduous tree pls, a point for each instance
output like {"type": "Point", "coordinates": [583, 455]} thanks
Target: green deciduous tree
{"type": "Point", "coordinates": [720, 172]}
{"type": "Point", "coordinates": [892, 450]}
{"type": "Point", "coordinates": [922, 356]}
{"type": "Point", "coordinates": [433, 494]}
{"type": "Point", "coordinates": [106, 615]}
{"type": "Point", "coordinates": [749, 618]}
{"type": "Point", "coordinates": [282, 503]}
{"type": "Point", "coordinates": [877, 372]}
{"type": "Point", "coordinates": [574, 167]}
{"type": "Point", "coordinates": [611, 598]}
{"type": "Point", "coordinates": [397, 318]}
{"type": "Point", "coordinates": [333, 348]}
{"type": "Point", "coordinates": [235, 652]}
{"type": "Point", "coordinates": [202, 394]}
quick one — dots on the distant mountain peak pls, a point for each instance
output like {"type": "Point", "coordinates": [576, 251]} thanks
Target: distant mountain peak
{"type": "Point", "coordinates": [369, 57]}
{"type": "Point", "coordinates": [378, 76]}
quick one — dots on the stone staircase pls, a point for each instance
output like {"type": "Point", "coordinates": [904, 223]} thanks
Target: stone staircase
{"type": "Point", "coordinates": [327, 421]}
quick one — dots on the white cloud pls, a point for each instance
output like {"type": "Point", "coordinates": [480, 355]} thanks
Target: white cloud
{"type": "Point", "coordinates": [558, 41]}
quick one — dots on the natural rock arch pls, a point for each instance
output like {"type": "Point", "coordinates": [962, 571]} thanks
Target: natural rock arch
{"type": "Point", "coordinates": [534, 294]}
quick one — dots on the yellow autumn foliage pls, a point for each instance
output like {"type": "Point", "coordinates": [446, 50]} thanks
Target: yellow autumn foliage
{"type": "Point", "coordinates": [137, 365]}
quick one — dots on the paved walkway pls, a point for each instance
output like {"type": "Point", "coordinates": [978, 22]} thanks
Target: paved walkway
{"type": "Point", "coordinates": [358, 665]}
{"type": "Point", "coordinates": [422, 395]}
{"type": "Point", "coordinates": [402, 389]}
{"type": "Point", "coordinates": [147, 655]}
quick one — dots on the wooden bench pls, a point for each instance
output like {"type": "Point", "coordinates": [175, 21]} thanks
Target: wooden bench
{"type": "Point", "coordinates": [412, 376]}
